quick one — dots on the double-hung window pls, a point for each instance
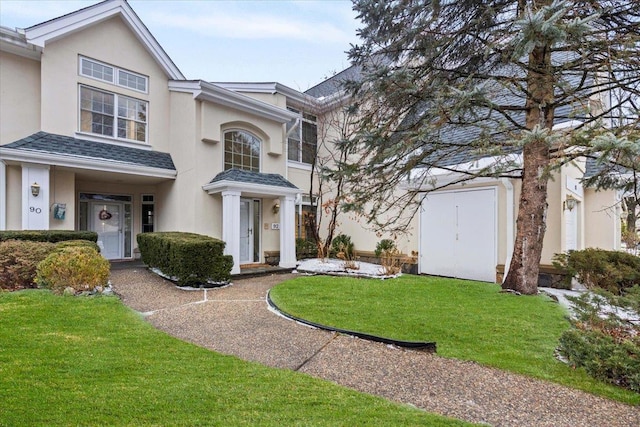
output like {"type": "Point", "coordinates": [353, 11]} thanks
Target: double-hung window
{"type": "Point", "coordinates": [302, 138]}
{"type": "Point", "coordinates": [112, 115]}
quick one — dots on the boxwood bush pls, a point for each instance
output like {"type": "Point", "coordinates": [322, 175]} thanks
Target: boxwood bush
{"type": "Point", "coordinates": [53, 236]}
{"type": "Point", "coordinates": [79, 267]}
{"type": "Point", "coordinates": [192, 259]}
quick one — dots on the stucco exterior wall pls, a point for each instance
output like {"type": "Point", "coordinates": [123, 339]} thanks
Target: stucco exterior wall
{"type": "Point", "coordinates": [110, 42]}
{"type": "Point", "coordinates": [62, 185]}
{"type": "Point", "coordinates": [14, 197]}
{"type": "Point", "coordinates": [602, 219]}
{"type": "Point", "coordinates": [19, 97]}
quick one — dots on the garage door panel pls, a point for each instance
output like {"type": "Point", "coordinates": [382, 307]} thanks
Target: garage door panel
{"type": "Point", "coordinates": [458, 234]}
{"type": "Point", "coordinates": [437, 247]}
{"type": "Point", "coordinates": [475, 249]}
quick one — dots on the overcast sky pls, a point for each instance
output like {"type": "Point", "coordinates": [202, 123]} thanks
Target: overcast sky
{"type": "Point", "coordinates": [298, 43]}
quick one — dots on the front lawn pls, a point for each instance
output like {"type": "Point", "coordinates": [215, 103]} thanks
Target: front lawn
{"type": "Point", "coordinates": [93, 361]}
{"type": "Point", "coordinates": [468, 320]}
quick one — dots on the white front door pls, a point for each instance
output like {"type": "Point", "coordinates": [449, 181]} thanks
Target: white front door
{"type": "Point", "coordinates": [107, 221]}
{"type": "Point", "coordinates": [246, 231]}
{"type": "Point", "coordinates": [571, 229]}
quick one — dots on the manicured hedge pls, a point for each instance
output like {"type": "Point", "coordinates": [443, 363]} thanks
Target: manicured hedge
{"type": "Point", "coordinates": [192, 259]}
{"type": "Point", "coordinates": [52, 236]}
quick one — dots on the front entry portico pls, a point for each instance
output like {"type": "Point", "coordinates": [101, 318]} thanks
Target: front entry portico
{"type": "Point", "coordinates": [239, 190]}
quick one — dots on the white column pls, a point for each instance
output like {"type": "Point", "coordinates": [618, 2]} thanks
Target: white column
{"type": "Point", "coordinates": [231, 227]}
{"type": "Point", "coordinates": [3, 196]}
{"type": "Point", "coordinates": [35, 209]}
{"type": "Point", "coordinates": [287, 232]}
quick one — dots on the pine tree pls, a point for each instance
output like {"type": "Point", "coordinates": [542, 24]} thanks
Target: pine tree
{"type": "Point", "coordinates": [445, 80]}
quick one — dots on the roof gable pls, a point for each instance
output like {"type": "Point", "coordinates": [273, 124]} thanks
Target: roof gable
{"type": "Point", "coordinates": [41, 34]}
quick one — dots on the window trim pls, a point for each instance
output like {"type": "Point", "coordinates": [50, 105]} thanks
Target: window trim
{"type": "Point", "coordinates": [302, 118]}
{"type": "Point", "coordinates": [116, 97]}
{"type": "Point", "coordinates": [224, 151]}
{"type": "Point", "coordinates": [115, 73]}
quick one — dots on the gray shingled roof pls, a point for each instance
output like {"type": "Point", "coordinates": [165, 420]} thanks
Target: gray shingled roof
{"type": "Point", "coordinates": [73, 147]}
{"type": "Point", "coordinates": [238, 175]}
{"type": "Point", "coordinates": [334, 84]}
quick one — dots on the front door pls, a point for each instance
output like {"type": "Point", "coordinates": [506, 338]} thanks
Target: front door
{"type": "Point", "coordinates": [246, 231]}
{"type": "Point", "coordinates": [107, 221]}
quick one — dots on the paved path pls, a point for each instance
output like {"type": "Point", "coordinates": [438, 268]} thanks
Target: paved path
{"type": "Point", "coordinates": [236, 320]}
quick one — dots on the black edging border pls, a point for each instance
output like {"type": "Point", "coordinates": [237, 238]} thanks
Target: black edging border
{"type": "Point", "coordinates": [429, 347]}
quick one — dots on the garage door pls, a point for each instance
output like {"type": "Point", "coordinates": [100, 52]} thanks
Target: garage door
{"type": "Point", "coordinates": [458, 234]}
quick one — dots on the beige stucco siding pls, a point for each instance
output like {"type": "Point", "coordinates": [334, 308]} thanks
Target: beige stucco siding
{"type": "Point", "coordinates": [602, 219]}
{"type": "Point", "coordinates": [19, 97]}
{"type": "Point", "coordinates": [14, 197]}
{"type": "Point", "coordinates": [62, 185]}
{"type": "Point", "coordinates": [110, 42]}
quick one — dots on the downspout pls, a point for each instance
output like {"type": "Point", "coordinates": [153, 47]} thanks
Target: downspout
{"type": "Point", "coordinates": [510, 223]}
{"type": "Point", "coordinates": [3, 195]}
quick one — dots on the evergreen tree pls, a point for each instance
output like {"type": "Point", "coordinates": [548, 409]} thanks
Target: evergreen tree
{"type": "Point", "coordinates": [526, 84]}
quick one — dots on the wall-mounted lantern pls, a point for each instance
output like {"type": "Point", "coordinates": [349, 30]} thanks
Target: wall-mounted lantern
{"type": "Point", "coordinates": [35, 189]}
{"type": "Point", "coordinates": [276, 208]}
{"type": "Point", "coordinates": [570, 203]}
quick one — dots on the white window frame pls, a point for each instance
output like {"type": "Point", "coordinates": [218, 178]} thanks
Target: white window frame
{"type": "Point", "coordinates": [115, 72]}
{"type": "Point", "coordinates": [116, 101]}
{"type": "Point", "coordinates": [224, 151]}
{"type": "Point", "coordinates": [297, 127]}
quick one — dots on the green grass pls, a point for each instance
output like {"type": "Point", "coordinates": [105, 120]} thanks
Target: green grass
{"type": "Point", "coordinates": [93, 361]}
{"type": "Point", "coordinates": [468, 321]}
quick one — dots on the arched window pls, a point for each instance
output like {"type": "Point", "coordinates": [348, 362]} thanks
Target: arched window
{"type": "Point", "coordinates": [241, 151]}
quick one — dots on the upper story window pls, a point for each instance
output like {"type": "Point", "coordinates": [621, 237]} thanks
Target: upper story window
{"type": "Point", "coordinates": [112, 115]}
{"type": "Point", "coordinates": [302, 138]}
{"type": "Point", "coordinates": [114, 75]}
{"type": "Point", "coordinates": [241, 151]}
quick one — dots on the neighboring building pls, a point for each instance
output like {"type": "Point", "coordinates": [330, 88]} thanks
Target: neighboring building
{"type": "Point", "coordinates": [111, 137]}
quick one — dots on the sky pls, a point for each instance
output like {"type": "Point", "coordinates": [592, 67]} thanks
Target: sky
{"type": "Point", "coordinates": [297, 43]}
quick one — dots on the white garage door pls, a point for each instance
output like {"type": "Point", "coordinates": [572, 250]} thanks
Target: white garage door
{"type": "Point", "coordinates": [458, 234]}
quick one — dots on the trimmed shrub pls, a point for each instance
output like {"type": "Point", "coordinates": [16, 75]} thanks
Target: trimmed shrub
{"type": "Point", "coordinates": [384, 245]}
{"type": "Point", "coordinates": [613, 271]}
{"type": "Point", "coordinates": [342, 244]}
{"type": "Point", "coordinates": [19, 261]}
{"type": "Point", "coordinates": [76, 243]}
{"type": "Point", "coordinates": [53, 236]}
{"type": "Point", "coordinates": [79, 267]}
{"type": "Point", "coordinates": [192, 259]}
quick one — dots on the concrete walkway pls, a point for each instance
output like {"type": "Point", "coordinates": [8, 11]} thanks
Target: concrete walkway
{"type": "Point", "coordinates": [235, 320]}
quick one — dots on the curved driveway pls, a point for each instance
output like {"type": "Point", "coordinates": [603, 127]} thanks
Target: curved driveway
{"type": "Point", "coordinates": [235, 320]}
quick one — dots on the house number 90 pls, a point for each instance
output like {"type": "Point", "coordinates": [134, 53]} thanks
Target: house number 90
{"type": "Point", "coordinates": [35, 210]}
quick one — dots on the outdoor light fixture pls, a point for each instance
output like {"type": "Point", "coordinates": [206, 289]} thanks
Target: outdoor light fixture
{"type": "Point", "coordinates": [35, 189]}
{"type": "Point", "coordinates": [570, 203]}
{"type": "Point", "coordinates": [276, 208]}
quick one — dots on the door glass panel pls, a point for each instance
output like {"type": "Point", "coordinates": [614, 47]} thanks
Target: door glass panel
{"type": "Point", "coordinates": [245, 232]}
{"type": "Point", "coordinates": [256, 231]}
{"type": "Point", "coordinates": [127, 230]}
{"type": "Point", "coordinates": [107, 223]}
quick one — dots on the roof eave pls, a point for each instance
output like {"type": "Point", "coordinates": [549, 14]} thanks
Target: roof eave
{"type": "Point", "coordinates": [247, 187]}
{"type": "Point", "coordinates": [54, 29]}
{"type": "Point", "coordinates": [79, 162]}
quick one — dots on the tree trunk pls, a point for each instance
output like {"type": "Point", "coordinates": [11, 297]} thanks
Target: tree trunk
{"type": "Point", "coordinates": [525, 263]}
{"type": "Point", "coordinates": [531, 223]}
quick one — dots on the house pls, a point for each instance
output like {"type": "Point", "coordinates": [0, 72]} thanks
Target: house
{"type": "Point", "coordinates": [112, 137]}
{"type": "Point", "coordinates": [467, 230]}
